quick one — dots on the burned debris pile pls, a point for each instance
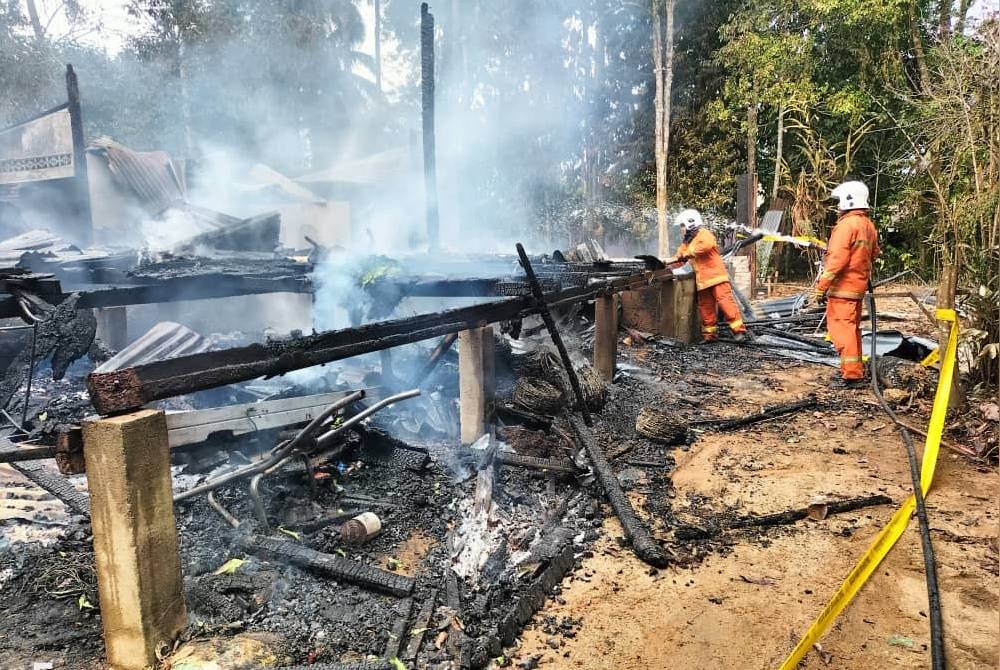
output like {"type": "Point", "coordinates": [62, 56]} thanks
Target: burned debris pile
{"type": "Point", "coordinates": [326, 511]}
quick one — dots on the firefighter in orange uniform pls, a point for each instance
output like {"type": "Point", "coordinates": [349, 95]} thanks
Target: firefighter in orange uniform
{"type": "Point", "coordinates": [711, 278]}
{"type": "Point", "coordinates": [847, 269]}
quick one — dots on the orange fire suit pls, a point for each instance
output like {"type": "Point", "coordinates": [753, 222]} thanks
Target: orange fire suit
{"type": "Point", "coordinates": [712, 282]}
{"type": "Point", "coordinates": [847, 269]}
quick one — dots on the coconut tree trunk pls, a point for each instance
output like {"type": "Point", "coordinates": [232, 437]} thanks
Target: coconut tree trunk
{"type": "Point", "coordinates": [378, 45]}
{"type": "Point", "coordinates": [778, 153]}
{"type": "Point", "coordinates": [663, 57]}
{"type": "Point", "coordinates": [918, 47]}
{"type": "Point", "coordinates": [36, 24]}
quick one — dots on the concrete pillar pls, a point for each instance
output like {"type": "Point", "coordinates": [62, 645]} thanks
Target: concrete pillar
{"type": "Point", "coordinates": [135, 536]}
{"type": "Point", "coordinates": [475, 381]}
{"type": "Point", "coordinates": [605, 336]}
{"type": "Point", "coordinates": [112, 327]}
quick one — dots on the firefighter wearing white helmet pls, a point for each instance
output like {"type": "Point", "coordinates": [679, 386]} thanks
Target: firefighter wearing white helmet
{"type": "Point", "coordinates": [714, 291]}
{"type": "Point", "coordinates": [847, 269]}
{"type": "Point", "coordinates": [851, 195]}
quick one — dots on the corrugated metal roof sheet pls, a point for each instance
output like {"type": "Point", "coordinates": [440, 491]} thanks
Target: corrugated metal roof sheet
{"type": "Point", "coordinates": [164, 340]}
{"type": "Point", "coordinates": [150, 176]}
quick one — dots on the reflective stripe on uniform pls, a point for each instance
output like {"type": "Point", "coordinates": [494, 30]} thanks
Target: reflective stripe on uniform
{"type": "Point", "coordinates": [711, 281]}
{"type": "Point", "coordinates": [850, 359]}
{"type": "Point", "coordinates": [709, 329]}
{"type": "Point", "coordinates": [863, 243]}
{"type": "Point", "coordinates": [735, 325]}
{"type": "Point", "coordinates": [847, 295]}
{"type": "Point", "coordinates": [829, 275]}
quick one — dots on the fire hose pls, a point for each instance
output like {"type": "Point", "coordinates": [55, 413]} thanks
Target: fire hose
{"type": "Point", "coordinates": [930, 570]}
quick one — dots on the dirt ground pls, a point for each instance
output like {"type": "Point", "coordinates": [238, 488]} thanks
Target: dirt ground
{"type": "Point", "coordinates": [748, 608]}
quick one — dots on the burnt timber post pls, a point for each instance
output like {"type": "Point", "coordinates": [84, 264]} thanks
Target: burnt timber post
{"type": "Point", "coordinates": [475, 381]}
{"type": "Point", "coordinates": [427, 117]}
{"type": "Point", "coordinates": [81, 184]}
{"type": "Point", "coordinates": [135, 536]}
{"type": "Point", "coordinates": [605, 335]}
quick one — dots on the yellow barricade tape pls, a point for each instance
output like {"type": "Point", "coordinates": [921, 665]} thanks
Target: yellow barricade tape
{"type": "Point", "coordinates": [932, 358]}
{"type": "Point", "coordinates": [897, 525]}
{"type": "Point", "coordinates": [801, 240]}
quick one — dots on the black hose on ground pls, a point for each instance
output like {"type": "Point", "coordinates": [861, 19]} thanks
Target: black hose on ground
{"type": "Point", "coordinates": [933, 594]}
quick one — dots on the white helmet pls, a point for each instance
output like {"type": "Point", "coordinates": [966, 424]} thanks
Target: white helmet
{"type": "Point", "coordinates": [852, 195]}
{"type": "Point", "coordinates": [689, 218]}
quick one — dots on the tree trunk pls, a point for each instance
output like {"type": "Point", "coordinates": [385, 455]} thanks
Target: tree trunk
{"type": "Point", "coordinates": [752, 149]}
{"type": "Point", "coordinates": [778, 154]}
{"type": "Point", "coordinates": [663, 57]}
{"type": "Point", "coordinates": [36, 24]}
{"type": "Point", "coordinates": [944, 20]}
{"type": "Point", "coordinates": [182, 75]}
{"type": "Point", "coordinates": [378, 46]}
{"type": "Point", "coordinates": [963, 9]}
{"type": "Point", "coordinates": [918, 48]}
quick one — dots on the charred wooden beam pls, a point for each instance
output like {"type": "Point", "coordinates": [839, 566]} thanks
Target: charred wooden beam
{"type": "Point", "coordinates": [687, 533]}
{"type": "Point", "coordinates": [564, 467]}
{"type": "Point", "coordinates": [121, 390]}
{"type": "Point", "coordinates": [439, 351]}
{"type": "Point", "coordinates": [420, 625]}
{"type": "Point", "coordinates": [166, 290]}
{"type": "Point", "coordinates": [427, 118]}
{"type": "Point", "coordinates": [55, 484]}
{"type": "Point", "coordinates": [642, 543]}
{"type": "Point", "coordinates": [342, 569]}
{"type": "Point", "coordinates": [771, 412]}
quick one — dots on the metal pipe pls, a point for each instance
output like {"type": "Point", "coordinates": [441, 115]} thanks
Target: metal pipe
{"type": "Point", "coordinates": [223, 512]}
{"type": "Point", "coordinates": [282, 456]}
{"type": "Point", "coordinates": [318, 421]}
{"type": "Point", "coordinates": [257, 502]}
{"type": "Point", "coordinates": [361, 416]}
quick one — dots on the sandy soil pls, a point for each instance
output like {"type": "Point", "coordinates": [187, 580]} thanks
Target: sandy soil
{"type": "Point", "coordinates": [747, 609]}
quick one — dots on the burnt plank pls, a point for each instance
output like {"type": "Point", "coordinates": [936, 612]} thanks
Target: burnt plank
{"type": "Point", "coordinates": [129, 388]}
{"type": "Point", "coordinates": [335, 567]}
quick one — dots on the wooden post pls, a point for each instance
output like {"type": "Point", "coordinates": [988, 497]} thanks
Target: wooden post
{"type": "Point", "coordinates": [679, 310]}
{"type": "Point", "coordinates": [81, 185]}
{"type": "Point", "coordinates": [427, 118]}
{"type": "Point", "coordinates": [135, 536]}
{"type": "Point", "coordinates": [641, 308]}
{"type": "Point", "coordinates": [605, 336]}
{"type": "Point", "coordinates": [112, 327]}
{"type": "Point", "coordinates": [473, 383]}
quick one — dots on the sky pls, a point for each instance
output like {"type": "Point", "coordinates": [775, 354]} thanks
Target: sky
{"type": "Point", "coordinates": [115, 25]}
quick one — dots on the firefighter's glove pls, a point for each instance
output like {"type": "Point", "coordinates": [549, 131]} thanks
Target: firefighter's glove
{"type": "Point", "coordinates": [820, 297]}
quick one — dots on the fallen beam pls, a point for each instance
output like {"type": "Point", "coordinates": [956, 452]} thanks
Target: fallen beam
{"type": "Point", "coordinates": [342, 569]}
{"type": "Point", "coordinates": [55, 484]}
{"type": "Point", "coordinates": [771, 412]}
{"type": "Point", "coordinates": [420, 625]}
{"type": "Point", "coordinates": [546, 464]}
{"type": "Point", "coordinates": [687, 533]}
{"type": "Point", "coordinates": [642, 543]}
